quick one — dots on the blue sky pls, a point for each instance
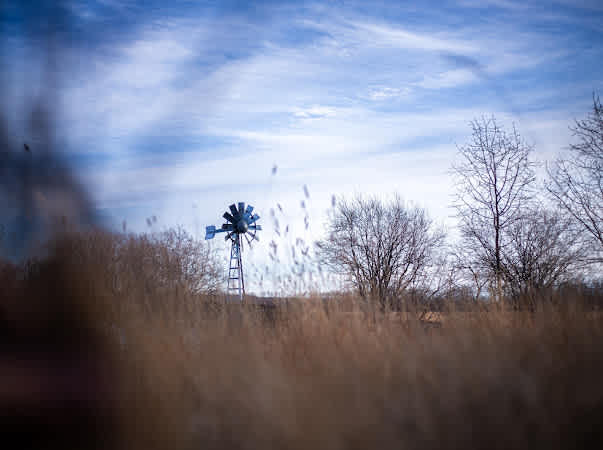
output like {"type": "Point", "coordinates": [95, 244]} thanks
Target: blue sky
{"type": "Point", "coordinates": [177, 111]}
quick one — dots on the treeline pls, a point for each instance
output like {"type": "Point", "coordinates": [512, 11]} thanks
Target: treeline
{"type": "Point", "coordinates": [519, 240]}
{"type": "Point", "coordinates": [121, 274]}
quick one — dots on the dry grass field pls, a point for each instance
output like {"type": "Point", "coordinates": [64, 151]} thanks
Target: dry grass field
{"type": "Point", "coordinates": [162, 366]}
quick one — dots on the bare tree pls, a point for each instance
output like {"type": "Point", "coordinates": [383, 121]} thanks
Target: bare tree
{"type": "Point", "coordinates": [493, 181]}
{"type": "Point", "coordinates": [186, 260]}
{"type": "Point", "coordinates": [384, 248]}
{"type": "Point", "coordinates": [170, 259]}
{"type": "Point", "coordinates": [470, 274]}
{"type": "Point", "coordinates": [576, 183]}
{"type": "Point", "coordinates": [541, 252]}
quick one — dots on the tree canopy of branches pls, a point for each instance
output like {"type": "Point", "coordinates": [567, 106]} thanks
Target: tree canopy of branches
{"type": "Point", "coordinates": [156, 262]}
{"type": "Point", "coordinates": [384, 248]}
{"type": "Point", "coordinates": [540, 252]}
{"type": "Point", "coordinates": [576, 183]}
{"type": "Point", "coordinates": [191, 262]}
{"type": "Point", "coordinates": [493, 181]}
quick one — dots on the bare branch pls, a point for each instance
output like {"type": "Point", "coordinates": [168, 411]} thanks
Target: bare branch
{"type": "Point", "coordinates": [576, 183]}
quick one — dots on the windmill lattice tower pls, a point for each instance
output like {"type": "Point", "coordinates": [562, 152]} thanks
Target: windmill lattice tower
{"type": "Point", "coordinates": [241, 222]}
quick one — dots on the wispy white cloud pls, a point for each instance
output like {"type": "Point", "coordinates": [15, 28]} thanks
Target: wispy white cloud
{"type": "Point", "coordinates": [382, 34]}
{"type": "Point", "coordinates": [450, 78]}
{"type": "Point", "coordinates": [513, 5]}
{"type": "Point", "coordinates": [380, 93]}
{"type": "Point", "coordinates": [314, 112]}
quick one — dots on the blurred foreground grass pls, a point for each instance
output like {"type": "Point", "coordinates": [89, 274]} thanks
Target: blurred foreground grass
{"type": "Point", "coordinates": [167, 366]}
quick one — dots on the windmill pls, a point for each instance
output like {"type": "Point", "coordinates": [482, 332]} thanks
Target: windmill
{"type": "Point", "coordinates": [241, 222]}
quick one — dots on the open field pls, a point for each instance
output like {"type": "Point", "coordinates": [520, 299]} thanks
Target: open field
{"type": "Point", "coordinates": [415, 190]}
{"type": "Point", "coordinates": [167, 368]}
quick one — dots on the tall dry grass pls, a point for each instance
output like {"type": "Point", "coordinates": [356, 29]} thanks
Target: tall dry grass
{"type": "Point", "coordinates": [188, 371]}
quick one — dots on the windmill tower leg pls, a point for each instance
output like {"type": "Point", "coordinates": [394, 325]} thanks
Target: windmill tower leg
{"type": "Point", "coordinates": [236, 283]}
{"type": "Point", "coordinates": [242, 293]}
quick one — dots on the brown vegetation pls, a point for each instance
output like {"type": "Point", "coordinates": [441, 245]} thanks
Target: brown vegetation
{"type": "Point", "coordinates": [189, 372]}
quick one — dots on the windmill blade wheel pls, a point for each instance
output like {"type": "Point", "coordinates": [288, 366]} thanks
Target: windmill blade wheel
{"type": "Point", "coordinates": [254, 236]}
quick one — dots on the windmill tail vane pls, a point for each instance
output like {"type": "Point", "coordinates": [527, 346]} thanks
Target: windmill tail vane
{"type": "Point", "coordinates": [241, 222]}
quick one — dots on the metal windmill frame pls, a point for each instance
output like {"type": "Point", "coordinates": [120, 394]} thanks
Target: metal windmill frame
{"type": "Point", "coordinates": [236, 280]}
{"type": "Point", "coordinates": [240, 222]}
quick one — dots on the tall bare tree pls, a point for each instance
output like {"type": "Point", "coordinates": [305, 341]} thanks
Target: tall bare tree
{"type": "Point", "coordinates": [493, 181]}
{"type": "Point", "coordinates": [576, 183]}
{"type": "Point", "coordinates": [384, 248]}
